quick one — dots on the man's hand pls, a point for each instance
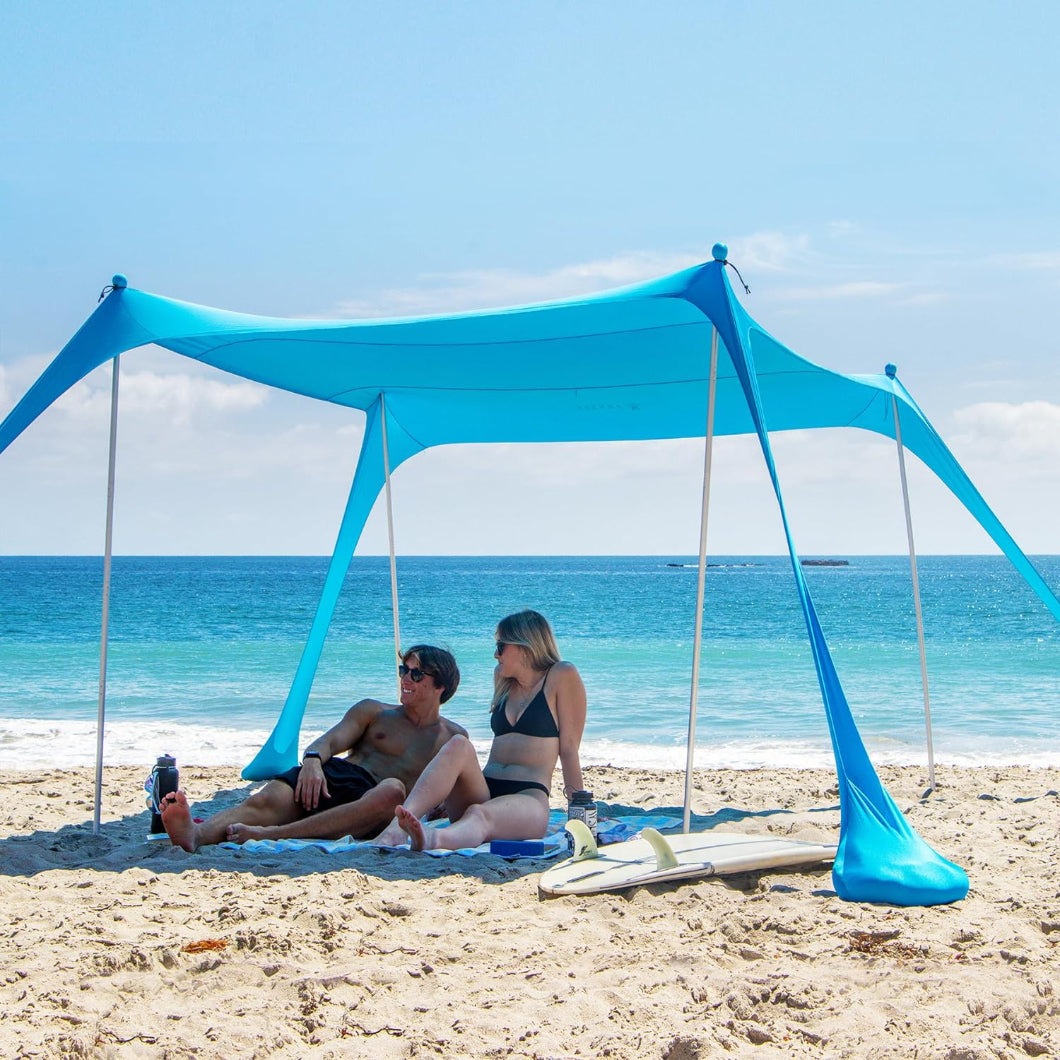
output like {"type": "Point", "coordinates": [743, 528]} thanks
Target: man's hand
{"type": "Point", "coordinates": [312, 785]}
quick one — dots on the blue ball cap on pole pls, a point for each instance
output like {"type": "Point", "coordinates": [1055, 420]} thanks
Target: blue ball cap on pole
{"type": "Point", "coordinates": [119, 281]}
{"type": "Point", "coordinates": [720, 252]}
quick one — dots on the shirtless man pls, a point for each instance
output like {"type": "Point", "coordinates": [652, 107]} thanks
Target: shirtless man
{"type": "Point", "coordinates": [328, 797]}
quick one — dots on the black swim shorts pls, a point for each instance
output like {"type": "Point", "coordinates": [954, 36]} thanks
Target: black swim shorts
{"type": "Point", "coordinates": [347, 782]}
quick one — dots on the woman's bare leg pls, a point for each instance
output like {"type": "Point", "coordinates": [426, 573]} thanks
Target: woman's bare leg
{"type": "Point", "coordinates": [453, 776]}
{"type": "Point", "coordinates": [522, 816]}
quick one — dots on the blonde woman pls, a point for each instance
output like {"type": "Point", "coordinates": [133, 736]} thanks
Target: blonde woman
{"type": "Point", "coordinates": [537, 716]}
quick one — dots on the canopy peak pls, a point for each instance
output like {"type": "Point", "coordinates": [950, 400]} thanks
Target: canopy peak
{"type": "Point", "coordinates": [117, 283]}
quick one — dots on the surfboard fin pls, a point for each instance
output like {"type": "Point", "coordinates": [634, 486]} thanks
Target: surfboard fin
{"type": "Point", "coordinates": [584, 844]}
{"type": "Point", "coordinates": [665, 858]}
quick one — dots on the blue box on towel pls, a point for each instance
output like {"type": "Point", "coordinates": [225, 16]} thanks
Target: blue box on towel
{"type": "Point", "coordinates": [510, 848]}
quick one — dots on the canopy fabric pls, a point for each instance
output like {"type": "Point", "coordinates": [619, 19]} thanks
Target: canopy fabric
{"type": "Point", "coordinates": [624, 365]}
{"type": "Point", "coordinates": [880, 857]}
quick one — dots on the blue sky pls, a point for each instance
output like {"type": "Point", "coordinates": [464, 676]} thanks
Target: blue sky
{"type": "Point", "coordinates": [885, 176]}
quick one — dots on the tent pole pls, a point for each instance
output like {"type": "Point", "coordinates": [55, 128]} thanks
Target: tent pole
{"type": "Point", "coordinates": [916, 594]}
{"type": "Point", "coordinates": [105, 619]}
{"type": "Point", "coordinates": [390, 535]}
{"type": "Point", "coordinates": [697, 640]}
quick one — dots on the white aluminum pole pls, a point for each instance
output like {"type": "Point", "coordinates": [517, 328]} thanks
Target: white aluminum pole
{"type": "Point", "coordinates": [916, 594]}
{"type": "Point", "coordinates": [390, 535]}
{"type": "Point", "coordinates": [102, 709]}
{"type": "Point", "coordinates": [697, 640]}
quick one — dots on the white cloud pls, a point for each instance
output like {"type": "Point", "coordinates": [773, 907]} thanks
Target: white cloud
{"type": "Point", "coordinates": [191, 476]}
{"type": "Point", "coordinates": [315, 451]}
{"type": "Point", "coordinates": [201, 457]}
{"type": "Point", "coordinates": [485, 288]}
{"type": "Point", "coordinates": [490, 288]}
{"type": "Point", "coordinates": [831, 292]}
{"type": "Point", "coordinates": [180, 397]}
{"type": "Point", "coordinates": [175, 398]}
{"type": "Point", "coordinates": [768, 251]}
{"type": "Point", "coordinates": [18, 376]}
{"type": "Point", "coordinates": [1033, 261]}
{"type": "Point", "coordinates": [1024, 437]}
{"type": "Point", "coordinates": [548, 464]}
{"type": "Point", "coordinates": [926, 298]}
{"type": "Point", "coordinates": [841, 488]}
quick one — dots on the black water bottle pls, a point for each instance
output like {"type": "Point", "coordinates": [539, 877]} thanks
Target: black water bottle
{"type": "Point", "coordinates": [164, 779]}
{"type": "Point", "coordinates": [580, 807]}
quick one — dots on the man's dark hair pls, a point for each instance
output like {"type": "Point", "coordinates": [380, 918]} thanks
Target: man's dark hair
{"type": "Point", "coordinates": [440, 664]}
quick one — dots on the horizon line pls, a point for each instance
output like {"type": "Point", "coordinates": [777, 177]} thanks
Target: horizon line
{"type": "Point", "coordinates": [513, 555]}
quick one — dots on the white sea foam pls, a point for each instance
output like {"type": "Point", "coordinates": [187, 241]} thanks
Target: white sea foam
{"type": "Point", "coordinates": [48, 743]}
{"type": "Point", "coordinates": [32, 743]}
{"type": "Point", "coordinates": [729, 755]}
{"type": "Point", "coordinates": [796, 755]}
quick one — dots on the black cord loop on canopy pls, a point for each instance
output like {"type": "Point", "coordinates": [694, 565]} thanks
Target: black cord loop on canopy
{"type": "Point", "coordinates": [737, 271]}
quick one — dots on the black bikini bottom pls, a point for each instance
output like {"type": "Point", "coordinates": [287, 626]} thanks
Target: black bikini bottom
{"type": "Point", "coordinates": [499, 787]}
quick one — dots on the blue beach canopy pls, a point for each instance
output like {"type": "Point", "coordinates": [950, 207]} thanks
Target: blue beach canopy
{"type": "Point", "coordinates": [622, 365]}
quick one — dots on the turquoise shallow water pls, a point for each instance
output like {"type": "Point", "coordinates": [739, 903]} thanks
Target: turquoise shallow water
{"type": "Point", "coordinates": [202, 651]}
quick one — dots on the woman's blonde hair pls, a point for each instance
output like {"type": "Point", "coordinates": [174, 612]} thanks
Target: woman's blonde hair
{"type": "Point", "coordinates": [530, 630]}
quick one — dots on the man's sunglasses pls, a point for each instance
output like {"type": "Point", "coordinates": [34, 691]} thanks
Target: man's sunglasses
{"type": "Point", "coordinates": [415, 673]}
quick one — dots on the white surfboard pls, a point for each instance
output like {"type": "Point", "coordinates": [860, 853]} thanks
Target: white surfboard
{"type": "Point", "coordinates": [654, 858]}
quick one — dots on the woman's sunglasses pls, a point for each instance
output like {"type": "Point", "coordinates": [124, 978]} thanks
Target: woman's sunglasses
{"type": "Point", "coordinates": [414, 673]}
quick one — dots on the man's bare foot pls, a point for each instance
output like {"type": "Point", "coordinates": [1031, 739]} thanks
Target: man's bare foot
{"type": "Point", "coordinates": [240, 833]}
{"type": "Point", "coordinates": [176, 816]}
{"type": "Point", "coordinates": [420, 838]}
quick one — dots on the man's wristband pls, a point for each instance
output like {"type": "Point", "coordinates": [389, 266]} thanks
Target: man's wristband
{"type": "Point", "coordinates": [313, 754]}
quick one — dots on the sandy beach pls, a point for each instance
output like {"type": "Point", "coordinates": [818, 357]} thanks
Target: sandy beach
{"type": "Point", "coordinates": [118, 947]}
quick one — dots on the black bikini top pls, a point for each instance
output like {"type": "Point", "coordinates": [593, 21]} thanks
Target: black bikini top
{"type": "Point", "coordinates": [535, 720]}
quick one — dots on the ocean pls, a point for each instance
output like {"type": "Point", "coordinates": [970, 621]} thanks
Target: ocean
{"type": "Point", "coordinates": [202, 651]}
